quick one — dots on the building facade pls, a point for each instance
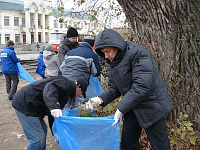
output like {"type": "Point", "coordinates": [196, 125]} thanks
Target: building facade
{"type": "Point", "coordinates": [32, 21]}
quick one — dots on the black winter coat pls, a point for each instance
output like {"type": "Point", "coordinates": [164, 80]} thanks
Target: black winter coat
{"type": "Point", "coordinates": [134, 74]}
{"type": "Point", "coordinates": [40, 97]}
{"type": "Point", "coordinates": [65, 46]}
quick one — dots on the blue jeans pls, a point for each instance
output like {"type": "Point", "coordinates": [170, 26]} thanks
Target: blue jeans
{"type": "Point", "coordinates": [35, 130]}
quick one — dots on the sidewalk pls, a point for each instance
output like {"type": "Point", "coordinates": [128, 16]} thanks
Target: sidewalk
{"type": "Point", "coordinates": [27, 56]}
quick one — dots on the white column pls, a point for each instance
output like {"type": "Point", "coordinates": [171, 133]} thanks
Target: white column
{"type": "Point", "coordinates": [51, 23]}
{"type": "Point", "coordinates": [3, 31]}
{"type": "Point", "coordinates": [2, 19]}
{"type": "Point", "coordinates": [43, 27]}
{"type": "Point", "coordinates": [28, 24]}
{"type": "Point", "coordinates": [20, 25]}
{"type": "Point", "coordinates": [12, 36]}
{"type": "Point", "coordinates": [36, 27]}
{"type": "Point", "coordinates": [11, 19]}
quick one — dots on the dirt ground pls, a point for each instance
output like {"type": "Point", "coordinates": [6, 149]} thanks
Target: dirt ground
{"type": "Point", "coordinates": [11, 133]}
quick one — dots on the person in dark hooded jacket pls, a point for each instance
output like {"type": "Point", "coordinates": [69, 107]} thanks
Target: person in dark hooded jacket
{"type": "Point", "coordinates": [68, 43]}
{"type": "Point", "coordinates": [133, 73]}
{"type": "Point", "coordinates": [41, 98]}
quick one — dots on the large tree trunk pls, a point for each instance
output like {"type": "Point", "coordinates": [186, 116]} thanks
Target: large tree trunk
{"type": "Point", "coordinates": [170, 29]}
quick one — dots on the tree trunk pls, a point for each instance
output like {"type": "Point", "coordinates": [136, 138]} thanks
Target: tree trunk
{"type": "Point", "coordinates": [170, 29]}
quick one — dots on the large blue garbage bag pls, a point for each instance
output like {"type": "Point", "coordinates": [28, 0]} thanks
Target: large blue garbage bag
{"type": "Point", "coordinates": [40, 66]}
{"type": "Point", "coordinates": [94, 88]}
{"type": "Point", "coordinates": [86, 133]}
{"type": "Point", "coordinates": [23, 74]}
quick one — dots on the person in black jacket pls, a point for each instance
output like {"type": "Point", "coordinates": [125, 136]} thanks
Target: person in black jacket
{"type": "Point", "coordinates": [133, 73]}
{"type": "Point", "coordinates": [68, 43]}
{"type": "Point", "coordinates": [41, 98]}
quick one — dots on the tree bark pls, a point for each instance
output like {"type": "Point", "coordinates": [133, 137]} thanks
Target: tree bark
{"type": "Point", "coordinates": [170, 29]}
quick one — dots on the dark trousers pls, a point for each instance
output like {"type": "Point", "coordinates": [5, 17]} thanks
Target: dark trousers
{"type": "Point", "coordinates": [12, 81]}
{"type": "Point", "coordinates": [157, 134]}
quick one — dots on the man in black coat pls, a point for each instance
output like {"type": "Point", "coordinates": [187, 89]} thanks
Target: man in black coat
{"type": "Point", "coordinates": [41, 98]}
{"type": "Point", "coordinates": [68, 43]}
{"type": "Point", "coordinates": [133, 73]}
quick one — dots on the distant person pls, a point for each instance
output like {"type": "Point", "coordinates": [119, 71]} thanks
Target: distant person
{"type": "Point", "coordinates": [68, 43]}
{"type": "Point", "coordinates": [51, 61]}
{"type": "Point", "coordinates": [41, 66]}
{"type": "Point", "coordinates": [9, 68]}
{"type": "Point", "coordinates": [41, 98]}
{"type": "Point", "coordinates": [37, 46]}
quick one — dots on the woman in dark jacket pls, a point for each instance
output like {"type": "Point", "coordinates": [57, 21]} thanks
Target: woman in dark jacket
{"type": "Point", "coordinates": [42, 98]}
{"type": "Point", "coordinates": [133, 73]}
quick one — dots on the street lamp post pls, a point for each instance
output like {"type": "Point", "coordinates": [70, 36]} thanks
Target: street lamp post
{"type": "Point", "coordinates": [31, 31]}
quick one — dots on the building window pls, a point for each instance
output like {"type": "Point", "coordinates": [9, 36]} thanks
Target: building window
{"type": "Point", "coordinates": [23, 22]}
{"type": "Point", "coordinates": [61, 25]}
{"type": "Point", "coordinates": [17, 38]}
{"type": "Point", "coordinates": [32, 22]}
{"type": "Point", "coordinates": [81, 25]}
{"type": "Point", "coordinates": [70, 23]}
{"type": "Point", "coordinates": [66, 25]}
{"type": "Point", "coordinates": [16, 21]}
{"type": "Point", "coordinates": [92, 26]}
{"type": "Point", "coordinates": [6, 20]}
{"type": "Point", "coordinates": [7, 37]}
{"type": "Point", "coordinates": [55, 23]}
{"type": "Point", "coordinates": [39, 22]}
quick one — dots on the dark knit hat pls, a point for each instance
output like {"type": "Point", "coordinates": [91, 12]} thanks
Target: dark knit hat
{"type": "Point", "coordinates": [83, 85]}
{"type": "Point", "coordinates": [89, 40]}
{"type": "Point", "coordinates": [72, 32]}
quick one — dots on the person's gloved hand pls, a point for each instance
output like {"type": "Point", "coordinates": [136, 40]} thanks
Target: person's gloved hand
{"type": "Point", "coordinates": [93, 102]}
{"type": "Point", "coordinates": [56, 113]}
{"type": "Point", "coordinates": [118, 116]}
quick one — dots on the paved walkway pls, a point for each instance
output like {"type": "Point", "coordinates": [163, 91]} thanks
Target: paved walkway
{"type": "Point", "coordinates": [27, 56]}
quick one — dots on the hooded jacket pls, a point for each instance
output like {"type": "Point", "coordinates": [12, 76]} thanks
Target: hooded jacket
{"type": "Point", "coordinates": [51, 62]}
{"type": "Point", "coordinates": [134, 74]}
{"type": "Point", "coordinates": [65, 46]}
{"type": "Point", "coordinates": [80, 63]}
{"type": "Point", "coordinates": [9, 61]}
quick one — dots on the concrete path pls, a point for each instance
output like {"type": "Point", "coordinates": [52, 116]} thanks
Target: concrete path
{"type": "Point", "coordinates": [27, 56]}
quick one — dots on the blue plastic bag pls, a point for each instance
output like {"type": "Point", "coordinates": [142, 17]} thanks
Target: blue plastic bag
{"type": "Point", "coordinates": [86, 133]}
{"type": "Point", "coordinates": [23, 74]}
{"type": "Point", "coordinates": [94, 88]}
{"type": "Point", "coordinates": [40, 66]}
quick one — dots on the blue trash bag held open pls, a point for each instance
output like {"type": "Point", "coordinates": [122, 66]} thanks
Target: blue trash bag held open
{"type": "Point", "coordinates": [23, 74]}
{"type": "Point", "coordinates": [86, 133]}
{"type": "Point", "coordinates": [94, 88]}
